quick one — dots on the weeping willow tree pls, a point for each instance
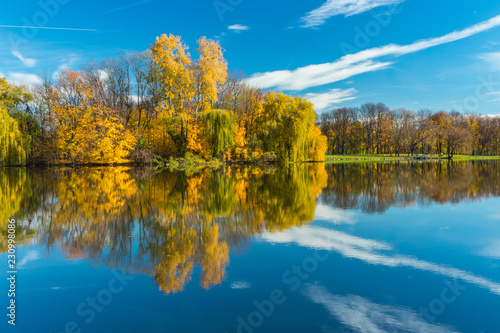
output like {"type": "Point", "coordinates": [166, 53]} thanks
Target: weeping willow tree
{"type": "Point", "coordinates": [220, 128]}
{"type": "Point", "coordinates": [18, 200]}
{"type": "Point", "coordinates": [14, 145]}
{"type": "Point", "coordinates": [290, 130]}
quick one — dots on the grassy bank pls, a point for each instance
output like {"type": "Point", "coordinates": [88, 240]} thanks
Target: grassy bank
{"type": "Point", "coordinates": [375, 158]}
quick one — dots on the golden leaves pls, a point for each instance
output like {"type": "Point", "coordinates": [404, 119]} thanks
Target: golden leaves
{"type": "Point", "coordinates": [211, 71]}
{"type": "Point", "coordinates": [87, 131]}
{"type": "Point", "coordinates": [14, 145]}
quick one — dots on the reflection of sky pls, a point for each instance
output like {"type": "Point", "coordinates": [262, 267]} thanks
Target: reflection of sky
{"type": "Point", "coordinates": [492, 250]}
{"type": "Point", "coordinates": [365, 316]}
{"type": "Point", "coordinates": [240, 285]}
{"type": "Point", "coordinates": [30, 256]}
{"type": "Point", "coordinates": [370, 251]}
{"type": "Point", "coordinates": [334, 215]}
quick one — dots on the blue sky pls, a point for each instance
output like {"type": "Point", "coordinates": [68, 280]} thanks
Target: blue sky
{"type": "Point", "coordinates": [415, 54]}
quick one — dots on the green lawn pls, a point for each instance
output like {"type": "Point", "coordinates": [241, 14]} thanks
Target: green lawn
{"type": "Point", "coordinates": [471, 157]}
{"type": "Point", "coordinates": [375, 157]}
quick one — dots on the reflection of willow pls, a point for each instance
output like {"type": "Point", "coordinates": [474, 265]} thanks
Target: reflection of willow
{"type": "Point", "coordinates": [16, 196]}
{"type": "Point", "coordinates": [377, 187]}
{"type": "Point", "coordinates": [167, 223]}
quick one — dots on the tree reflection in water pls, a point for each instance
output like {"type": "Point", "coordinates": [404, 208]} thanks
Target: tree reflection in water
{"type": "Point", "coordinates": [164, 224]}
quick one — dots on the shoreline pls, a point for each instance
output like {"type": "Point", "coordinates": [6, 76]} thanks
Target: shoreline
{"type": "Point", "coordinates": [329, 159]}
{"type": "Point", "coordinates": [382, 158]}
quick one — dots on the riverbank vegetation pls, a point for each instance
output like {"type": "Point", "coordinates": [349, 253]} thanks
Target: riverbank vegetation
{"type": "Point", "coordinates": [159, 105]}
{"type": "Point", "coordinates": [165, 107]}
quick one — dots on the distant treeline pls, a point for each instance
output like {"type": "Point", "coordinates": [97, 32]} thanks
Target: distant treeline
{"type": "Point", "coordinates": [158, 104]}
{"type": "Point", "coordinates": [375, 129]}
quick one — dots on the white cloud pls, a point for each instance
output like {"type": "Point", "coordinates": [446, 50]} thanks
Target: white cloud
{"type": "Point", "coordinates": [238, 27]}
{"type": "Point", "coordinates": [23, 78]}
{"type": "Point", "coordinates": [325, 239]}
{"type": "Point", "coordinates": [26, 61]}
{"type": "Point", "coordinates": [64, 66]}
{"type": "Point", "coordinates": [334, 96]}
{"type": "Point", "coordinates": [357, 63]}
{"type": "Point", "coordinates": [367, 250]}
{"type": "Point", "coordinates": [364, 316]}
{"type": "Point", "coordinates": [493, 58]}
{"type": "Point", "coordinates": [29, 257]}
{"type": "Point", "coordinates": [315, 75]}
{"type": "Point", "coordinates": [492, 250]}
{"type": "Point", "coordinates": [337, 216]}
{"type": "Point", "coordinates": [342, 7]}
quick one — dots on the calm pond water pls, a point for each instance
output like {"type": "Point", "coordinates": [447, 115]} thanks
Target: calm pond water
{"type": "Point", "coordinates": [390, 247]}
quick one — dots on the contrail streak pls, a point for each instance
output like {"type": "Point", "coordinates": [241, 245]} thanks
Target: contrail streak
{"type": "Point", "coordinates": [47, 28]}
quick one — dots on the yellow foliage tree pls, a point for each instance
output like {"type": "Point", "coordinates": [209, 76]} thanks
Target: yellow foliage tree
{"type": "Point", "coordinates": [211, 71]}
{"type": "Point", "coordinates": [14, 145]}
{"type": "Point", "coordinates": [87, 132]}
{"type": "Point", "coordinates": [173, 62]}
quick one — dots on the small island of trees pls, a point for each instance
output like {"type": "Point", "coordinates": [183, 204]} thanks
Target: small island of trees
{"type": "Point", "coordinates": [161, 106]}
{"type": "Point", "coordinates": [154, 106]}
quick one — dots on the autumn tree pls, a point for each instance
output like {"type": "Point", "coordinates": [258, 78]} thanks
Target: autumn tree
{"type": "Point", "coordinates": [368, 115]}
{"type": "Point", "coordinates": [14, 134]}
{"type": "Point", "coordinates": [288, 128]}
{"type": "Point", "coordinates": [87, 131]}
{"type": "Point", "coordinates": [457, 135]}
{"type": "Point", "coordinates": [401, 129]}
{"type": "Point", "coordinates": [340, 122]}
{"type": "Point", "coordinates": [210, 72]}
{"type": "Point", "coordinates": [420, 129]}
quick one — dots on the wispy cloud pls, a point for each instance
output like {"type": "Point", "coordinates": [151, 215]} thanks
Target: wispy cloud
{"type": "Point", "coordinates": [357, 63]}
{"type": "Point", "coordinates": [29, 257]}
{"type": "Point", "coordinates": [26, 61]}
{"type": "Point", "coordinates": [335, 96]}
{"type": "Point", "coordinates": [315, 75]}
{"type": "Point", "coordinates": [132, 5]}
{"type": "Point", "coordinates": [342, 7]}
{"type": "Point", "coordinates": [238, 27]}
{"type": "Point", "coordinates": [364, 316]}
{"type": "Point", "coordinates": [65, 65]}
{"type": "Point", "coordinates": [492, 250]}
{"type": "Point", "coordinates": [370, 251]}
{"type": "Point", "coordinates": [240, 285]}
{"type": "Point", "coordinates": [45, 28]}
{"type": "Point", "coordinates": [493, 58]}
{"type": "Point", "coordinates": [325, 239]}
{"type": "Point", "coordinates": [23, 78]}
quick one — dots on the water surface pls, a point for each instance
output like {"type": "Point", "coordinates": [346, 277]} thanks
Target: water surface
{"type": "Point", "coordinates": [389, 247]}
